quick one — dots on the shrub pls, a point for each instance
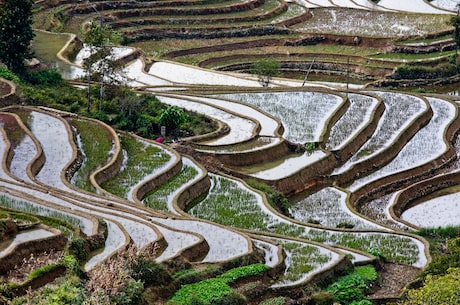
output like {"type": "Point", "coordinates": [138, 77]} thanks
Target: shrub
{"type": "Point", "coordinates": [442, 262]}
{"type": "Point", "coordinates": [244, 271]}
{"type": "Point", "coordinates": [44, 77]}
{"type": "Point", "coordinates": [310, 147]}
{"type": "Point", "coordinates": [150, 272]}
{"type": "Point", "coordinates": [66, 291]}
{"type": "Point", "coordinates": [131, 294]}
{"type": "Point", "coordinates": [437, 290]}
{"type": "Point", "coordinates": [351, 288]}
{"type": "Point", "coordinates": [172, 117]}
{"type": "Point", "coordinates": [207, 291]}
{"type": "Point", "coordinates": [9, 75]}
{"type": "Point", "coordinates": [265, 69]}
{"type": "Point", "coordinates": [72, 265]}
{"type": "Point", "coordinates": [367, 272]}
{"type": "Point", "coordinates": [445, 248]}
{"type": "Point", "coordinates": [79, 248]}
{"type": "Point", "coordinates": [348, 289]}
{"type": "Point", "coordinates": [216, 290]}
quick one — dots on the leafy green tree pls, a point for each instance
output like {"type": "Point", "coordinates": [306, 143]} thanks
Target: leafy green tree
{"type": "Point", "coordinates": [100, 64]}
{"type": "Point", "coordinates": [266, 69]}
{"type": "Point", "coordinates": [172, 117]}
{"type": "Point", "coordinates": [15, 33]}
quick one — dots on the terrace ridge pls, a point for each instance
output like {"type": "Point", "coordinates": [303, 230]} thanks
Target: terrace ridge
{"type": "Point", "coordinates": [413, 175]}
{"type": "Point", "coordinates": [387, 154]}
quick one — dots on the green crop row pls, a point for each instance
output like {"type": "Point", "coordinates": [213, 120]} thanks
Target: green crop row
{"type": "Point", "coordinates": [351, 289]}
{"type": "Point", "coordinates": [157, 199]}
{"type": "Point", "coordinates": [232, 204]}
{"type": "Point", "coordinates": [96, 145]}
{"type": "Point", "coordinates": [214, 290]}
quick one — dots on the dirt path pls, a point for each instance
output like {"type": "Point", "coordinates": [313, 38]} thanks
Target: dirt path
{"type": "Point", "coordinates": [392, 280]}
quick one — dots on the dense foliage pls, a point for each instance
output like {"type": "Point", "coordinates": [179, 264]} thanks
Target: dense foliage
{"type": "Point", "coordinates": [437, 290]}
{"type": "Point", "coordinates": [444, 248]}
{"type": "Point", "coordinates": [266, 69]}
{"type": "Point", "coordinates": [440, 279]}
{"type": "Point", "coordinates": [351, 289]}
{"type": "Point", "coordinates": [15, 33]}
{"type": "Point", "coordinates": [121, 108]}
{"type": "Point", "coordinates": [216, 290]}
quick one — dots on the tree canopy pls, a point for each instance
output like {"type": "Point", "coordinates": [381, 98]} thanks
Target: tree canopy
{"type": "Point", "coordinates": [101, 64]}
{"type": "Point", "coordinates": [266, 69]}
{"type": "Point", "coordinates": [16, 33]}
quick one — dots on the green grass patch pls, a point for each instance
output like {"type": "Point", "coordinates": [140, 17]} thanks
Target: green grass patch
{"type": "Point", "coordinates": [412, 57]}
{"type": "Point", "coordinates": [423, 41]}
{"type": "Point", "coordinates": [47, 45]}
{"type": "Point", "coordinates": [42, 271]}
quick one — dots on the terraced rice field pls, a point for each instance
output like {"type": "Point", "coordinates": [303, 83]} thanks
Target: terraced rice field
{"type": "Point", "coordinates": [351, 162]}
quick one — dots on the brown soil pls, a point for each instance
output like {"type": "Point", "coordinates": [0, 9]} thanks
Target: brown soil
{"type": "Point", "coordinates": [392, 280]}
{"type": "Point", "coordinates": [20, 272]}
{"type": "Point", "coordinates": [4, 88]}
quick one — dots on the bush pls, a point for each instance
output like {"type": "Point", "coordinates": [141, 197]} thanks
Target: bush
{"type": "Point", "coordinates": [242, 272]}
{"type": "Point", "coordinates": [79, 248]}
{"type": "Point", "coordinates": [44, 78]}
{"type": "Point", "coordinates": [172, 117]}
{"type": "Point", "coordinates": [150, 272]}
{"type": "Point", "coordinates": [437, 290]}
{"type": "Point", "coordinates": [216, 290]}
{"type": "Point", "coordinates": [72, 265]}
{"type": "Point", "coordinates": [9, 75]}
{"type": "Point", "coordinates": [66, 291]}
{"type": "Point", "coordinates": [265, 69]}
{"type": "Point", "coordinates": [131, 294]}
{"type": "Point", "coordinates": [350, 289]}
{"type": "Point", "coordinates": [367, 272]}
